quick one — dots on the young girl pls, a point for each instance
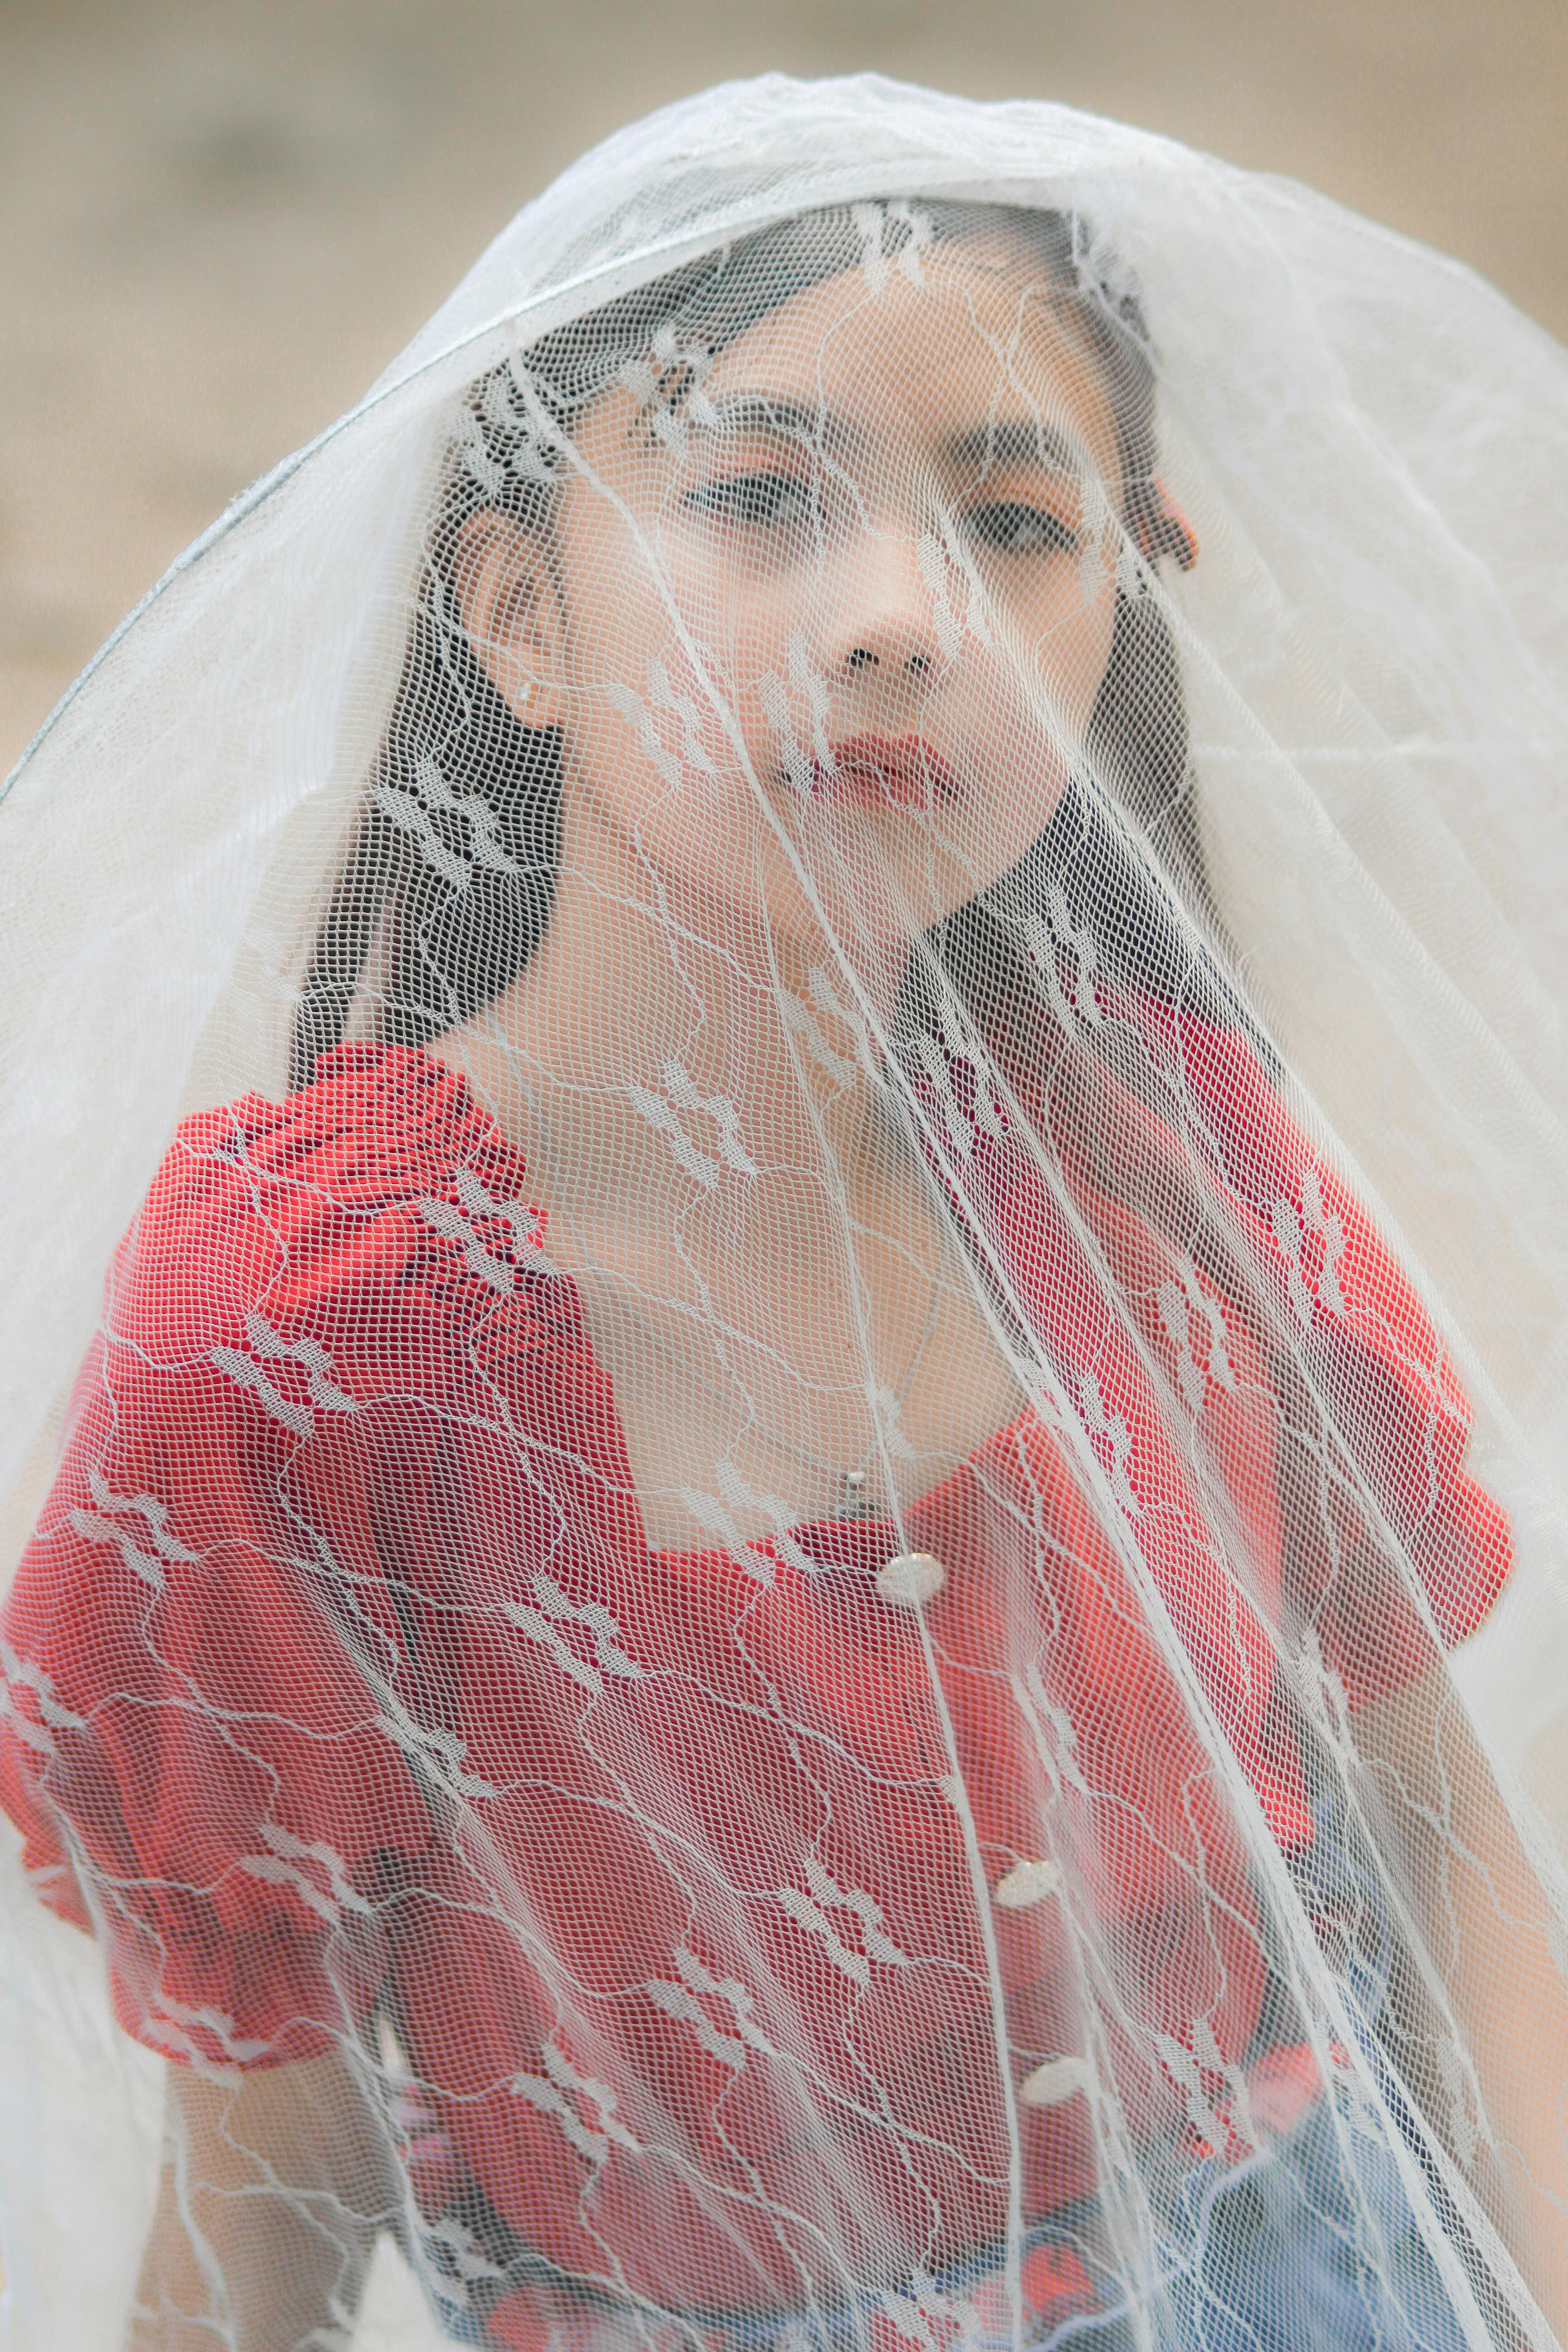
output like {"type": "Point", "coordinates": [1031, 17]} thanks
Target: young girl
{"type": "Point", "coordinates": [742, 1624]}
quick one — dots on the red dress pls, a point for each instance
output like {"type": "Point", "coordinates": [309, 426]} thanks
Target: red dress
{"type": "Point", "coordinates": [340, 1676]}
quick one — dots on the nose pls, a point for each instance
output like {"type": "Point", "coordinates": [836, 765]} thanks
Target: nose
{"type": "Point", "coordinates": [886, 632]}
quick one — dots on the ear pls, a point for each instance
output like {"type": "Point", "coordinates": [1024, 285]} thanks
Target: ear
{"type": "Point", "coordinates": [512, 614]}
{"type": "Point", "coordinates": [1164, 530]}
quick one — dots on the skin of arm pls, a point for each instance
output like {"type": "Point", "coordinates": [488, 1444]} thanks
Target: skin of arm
{"type": "Point", "coordinates": [274, 2186]}
{"type": "Point", "coordinates": [1493, 1940]}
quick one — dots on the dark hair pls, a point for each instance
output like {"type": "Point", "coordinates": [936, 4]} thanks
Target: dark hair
{"type": "Point", "coordinates": [454, 860]}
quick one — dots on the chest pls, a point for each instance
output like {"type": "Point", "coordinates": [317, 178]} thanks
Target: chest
{"type": "Point", "coordinates": [791, 1376]}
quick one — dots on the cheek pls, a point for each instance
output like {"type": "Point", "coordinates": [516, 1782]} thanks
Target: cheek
{"type": "Point", "coordinates": [1020, 712]}
{"type": "Point", "coordinates": [662, 677]}
{"type": "Point", "coordinates": [1024, 702]}
{"type": "Point", "coordinates": [1072, 654]}
{"type": "Point", "coordinates": [660, 753]}
{"type": "Point", "coordinates": [641, 733]}
{"type": "Point", "coordinates": [664, 712]}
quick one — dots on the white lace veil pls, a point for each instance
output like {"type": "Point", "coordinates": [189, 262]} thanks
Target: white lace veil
{"type": "Point", "coordinates": [894, 1722]}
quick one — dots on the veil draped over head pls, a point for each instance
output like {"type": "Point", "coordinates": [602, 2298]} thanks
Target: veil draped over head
{"type": "Point", "coordinates": [802, 1582]}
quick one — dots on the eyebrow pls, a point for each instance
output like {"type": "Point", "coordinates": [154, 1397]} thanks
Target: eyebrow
{"type": "Point", "coordinates": [766, 412]}
{"type": "Point", "coordinates": [1016, 441]}
{"type": "Point", "coordinates": [985, 449]}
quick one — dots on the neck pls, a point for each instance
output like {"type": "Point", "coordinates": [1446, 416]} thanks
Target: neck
{"type": "Point", "coordinates": [642, 1019]}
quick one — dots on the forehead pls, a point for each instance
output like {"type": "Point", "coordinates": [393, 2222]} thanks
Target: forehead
{"type": "Point", "coordinates": [981, 333]}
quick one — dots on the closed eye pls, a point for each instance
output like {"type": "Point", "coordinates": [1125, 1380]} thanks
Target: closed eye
{"type": "Point", "coordinates": [763, 501]}
{"type": "Point", "coordinates": [1018, 529]}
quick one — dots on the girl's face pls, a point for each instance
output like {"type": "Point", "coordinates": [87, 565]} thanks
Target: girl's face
{"type": "Point", "coordinates": [831, 625]}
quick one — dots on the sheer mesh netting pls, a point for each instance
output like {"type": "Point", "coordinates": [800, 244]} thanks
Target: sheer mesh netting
{"type": "Point", "coordinates": [801, 1584]}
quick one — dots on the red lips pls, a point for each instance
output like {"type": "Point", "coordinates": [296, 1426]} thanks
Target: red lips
{"type": "Point", "coordinates": [879, 771]}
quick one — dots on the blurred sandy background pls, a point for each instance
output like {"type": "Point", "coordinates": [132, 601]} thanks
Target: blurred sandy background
{"type": "Point", "coordinates": [218, 220]}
